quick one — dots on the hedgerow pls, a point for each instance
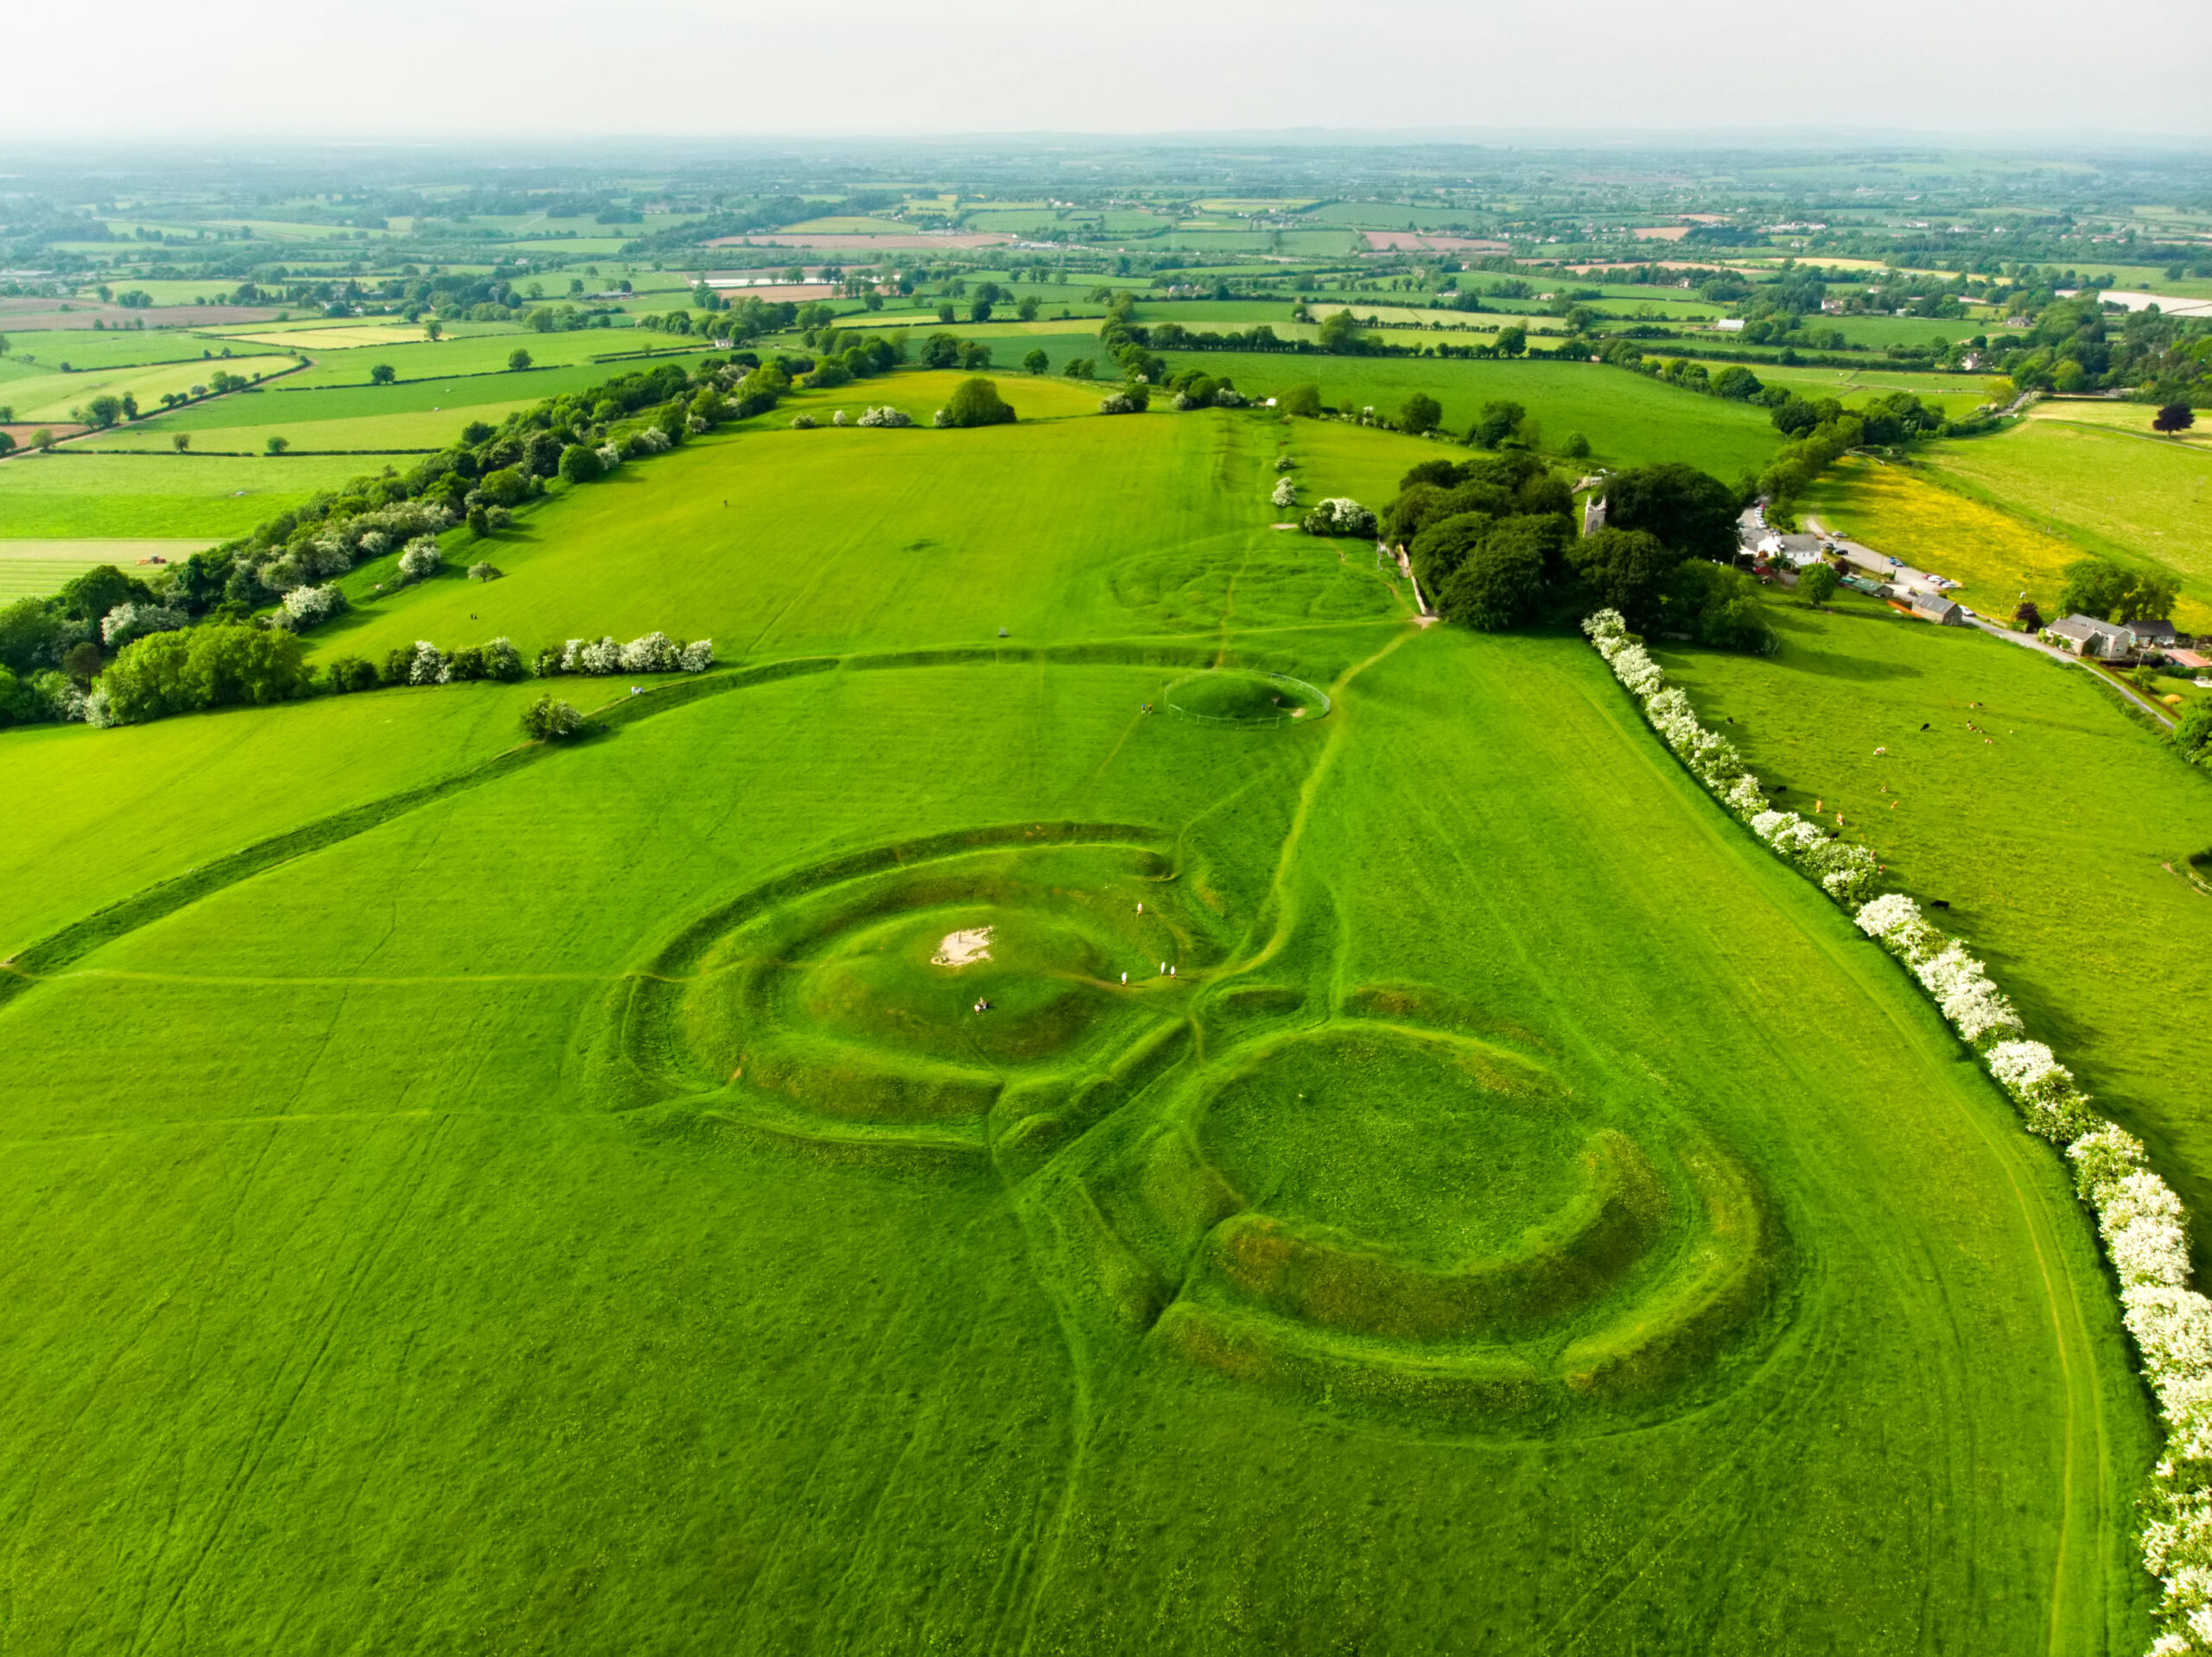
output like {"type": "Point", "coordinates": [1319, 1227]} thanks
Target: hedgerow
{"type": "Point", "coordinates": [2139, 1218]}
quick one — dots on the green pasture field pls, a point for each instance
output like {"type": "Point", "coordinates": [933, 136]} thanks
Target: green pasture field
{"type": "Point", "coordinates": [422, 432]}
{"type": "Point", "coordinates": [2134, 497]}
{"type": "Point", "coordinates": [2134, 418]}
{"type": "Point", "coordinates": [51, 397]}
{"type": "Point", "coordinates": [34, 568]}
{"type": "Point", "coordinates": [167, 798]}
{"type": "Point", "coordinates": [2067, 809]}
{"type": "Point", "coordinates": [486, 354]}
{"type": "Point", "coordinates": [1956, 394]}
{"type": "Point", "coordinates": [85, 349]}
{"type": "Point", "coordinates": [1629, 420]}
{"type": "Point", "coordinates": [597, 1166]}
{"type": "Point", "coordinates": [67, 496]}
{"type": "Point", "coordinates": [413, 414]}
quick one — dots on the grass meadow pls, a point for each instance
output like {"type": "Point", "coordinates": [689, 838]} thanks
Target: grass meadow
{"type": "Point", "coordinates": [1628, 420]}
{"type": "Point", "coordinates": [454, 1187]}
{"type": "Point", "coordinates": [2140, 498]}
{"type": "Point", "coordinates": [2060, 841]}
{"type": "Point", "coordinates": [33, 569]}
{"type": "Point", "coordinates": [52, 397]}
{"type": "Point", "coordinates": [67, 496]}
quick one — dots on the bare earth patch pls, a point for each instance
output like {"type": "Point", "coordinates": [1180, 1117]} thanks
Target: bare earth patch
{"type": "Point", "coordinates": [963, 948]}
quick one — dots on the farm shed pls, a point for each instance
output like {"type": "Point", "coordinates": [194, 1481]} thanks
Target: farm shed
{"type": "Point", "coordinates": [2157, 635]}
{"type": "Point", "coordinates": [2086, 636]}
{"type": "Point", "coordinates": [1944, 613]}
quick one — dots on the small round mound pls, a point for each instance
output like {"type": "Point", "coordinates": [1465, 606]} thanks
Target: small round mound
{"type": "Point", "coordinates": [1231, 696]}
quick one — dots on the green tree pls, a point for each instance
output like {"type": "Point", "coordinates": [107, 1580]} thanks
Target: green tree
{"type": "Point", "coordinates": [517, 361]}
{"type": "Point", "coordinates": [1341, 333]}
{"type": "Point", "coordinates": [579, 464]}
{"type": "Point", "coordinates": [1036, 362]}
{"type": "Point", "coordinates": [1498, 586]}
{"type": "Point", "coordinates": [383, 374]}
{"type": "Point", "coordinates": [1026, 310]}
{"type": "Point", "coordinates": [7, 443]}
{"type": "Point", "coordinates": [1304, 400]}
{"type": "Point", "coordinates": [946, 313]}
{"type": "Point", "coordinates": [103, 411]}
{"type": "Point", "coordinates": [1080, 368]}
{"type": "Point", "coordinates": [1691, 511]}
{"type": "Point", "coordinates": [1577, 447]}
{"type": "Point", "coordinates": [433, 329]}
{"type": "Point", "coordinates": [278, 445]}
{"type": "Point", "coordinates": [1817, 584]}
{"type": "Point", "coordinates": [181, 442]}
{"type": "Point", "coordinates": [549, 719]}
{"type": "Point", "coordinates": [212, 666]}
{"type": "Point", "coordinates": [1498, 421]}
{"type": "Point", "coordinates": [505, 488]}
{"type": "Point", "coordinates": [1624, 571]}
{"type": "Point", "coordinates": [980, 311]}
{"type": "Point", "coordinates": [2174, 419]}
{"type": "Point", "coordinates": [976, 402]}
{"type": "Point", "coordinates": [1420, 413]}
{"type": "Point", "coordinates": [941, 350]}
{"type": "Point", "coordinates": [1512, 341]}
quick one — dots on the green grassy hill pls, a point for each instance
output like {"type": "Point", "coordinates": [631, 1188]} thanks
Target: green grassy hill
{"type": "Point", "coordinates": [1628, 420]}
{"type": "Point", "coordinates": [586, 1197]}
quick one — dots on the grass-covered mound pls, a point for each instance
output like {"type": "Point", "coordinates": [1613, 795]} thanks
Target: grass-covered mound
{"type": "Point", "coordinates": [1244, 698]}
{"type": "Point", "coordinates": [591, 1182]}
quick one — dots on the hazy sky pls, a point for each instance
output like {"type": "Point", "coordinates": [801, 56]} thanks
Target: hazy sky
{"type": "Point", "coordinates": [436, 67]}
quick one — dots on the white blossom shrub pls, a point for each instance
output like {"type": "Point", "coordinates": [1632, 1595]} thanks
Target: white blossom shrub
{"type": "Point", "coordinates": [1117, 402]}
{"type": "Point", "coordinates": [66, 701]}
{"type": "Point", "coordinates": [696, 423]}
{"type": "Point", "coordinates": [654, 653]}
{"type": "Point", "coordinates": [1284, 463]}
{"type": "Point", "coordinates": [886, 416]}
{"type": "Point", "coordinates": [808, 422]}
{"type": "Point", "coordinates": [308, 607]}
{"type": "Point", "coordinates": [1339, 514]}
{"type": "Point", "coordinates": [128, 621]}
{"type": "Point", "coordinates": [838, 418]}
{"type": "Point", "coordinates": [92, 707]}
{"type": "Point", "coordinates": [420, 557]}
{"type": "Point", "coordinates": [696, 656]}
{"type": "Point", "coordinates": [943, 417]}
{"type": "Point", "coordinates": [1286, 493]}
{"type": "Point", "coordinates": [603, 657]}
{"type": "Point", "coordinates": [654, 440]}
{"type": "Point", "coordinates": [429, 666]}
{"type": "Point", "coordinates": [375, 544]}
{"type": "Point", "coordinates": [1228, 397]}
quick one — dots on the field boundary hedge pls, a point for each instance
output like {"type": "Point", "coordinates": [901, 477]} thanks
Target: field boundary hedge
{"type": "Point", "coordinates": [2138, 1217]}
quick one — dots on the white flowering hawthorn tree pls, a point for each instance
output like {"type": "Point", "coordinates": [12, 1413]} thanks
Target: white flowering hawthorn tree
{"type": "Point", "coordinates": [1286, 492]}
{"type": "Point", "coordinates": [886, 416]}
{"type": "Point", "coordinates": [309, 606]}
{"type": "Point", "coordinates": [128, 621]}
{"type": "Point", "coordinates": [2145, 1230]}
{"type": "Point", "coordinates": [419, 558]}
{"type": "Point", "coordinates": [1339, 514]}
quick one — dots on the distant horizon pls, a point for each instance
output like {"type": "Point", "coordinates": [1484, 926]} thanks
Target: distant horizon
{"type": "Point", "coordinates": [873, 70]}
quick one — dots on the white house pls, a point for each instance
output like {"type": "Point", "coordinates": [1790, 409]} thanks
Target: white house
{"type": "Point", "coordinates": [2086, 636]}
